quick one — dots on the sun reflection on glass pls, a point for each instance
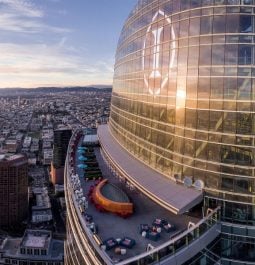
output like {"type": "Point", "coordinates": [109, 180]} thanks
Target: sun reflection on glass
{"type": "Point", "coordinates": [180, 98]}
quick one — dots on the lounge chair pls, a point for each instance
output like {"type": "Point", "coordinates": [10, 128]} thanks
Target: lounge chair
{"type": "Point", "coordinates": [110, 243]}
{"type": "Point", "coordinates": [127, 242]}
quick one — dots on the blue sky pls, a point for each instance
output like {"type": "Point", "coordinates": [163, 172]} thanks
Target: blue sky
{"type": "Point", "coordinates": [59, 42]}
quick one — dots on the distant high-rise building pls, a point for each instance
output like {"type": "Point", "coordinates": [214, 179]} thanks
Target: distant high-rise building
{"type": "Point", "coordinates": [61, 141]}
{"type": "Point", "coordinates": [13, 190]}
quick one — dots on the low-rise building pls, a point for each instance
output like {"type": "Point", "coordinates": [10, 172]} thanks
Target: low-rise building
{"type": "Point", "coordinates": [47, 156]}
{"type": "Point", "coordinates": [27, 142]}
{"type": "Point", "coordinates": [59, 189]}
{"type": "Point", "coordinates": [31, 157]}
{"type": "Point", "coordinates": [11, 146]}
{"type": "Point", "coordinates": [36, 247]}
{"type": "Point", "coordinates": [41, 212]}
{"type": "Point", "coordinates": [42, 216]}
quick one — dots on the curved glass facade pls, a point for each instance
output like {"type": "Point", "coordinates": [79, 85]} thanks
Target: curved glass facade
{"type": "Point", "coordinates": [184, 94]}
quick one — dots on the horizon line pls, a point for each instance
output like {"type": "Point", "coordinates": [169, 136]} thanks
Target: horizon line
{"type": "Point", "coordinates": [56, 86]}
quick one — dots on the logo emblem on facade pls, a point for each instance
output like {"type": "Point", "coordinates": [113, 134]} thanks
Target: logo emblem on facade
{"type": "Point", "coordinates": [160, 30]}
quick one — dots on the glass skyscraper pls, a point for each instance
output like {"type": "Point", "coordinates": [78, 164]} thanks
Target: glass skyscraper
{"type": "Point", "coordinates": [183, 105]}
{"type": "Point", "coordinates": [183, 95]}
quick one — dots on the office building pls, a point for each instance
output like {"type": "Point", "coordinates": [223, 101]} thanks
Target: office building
{"type": "Point", "coordinates": [60, 145]}
{"type": "Point", "coordinates": [36, 247]}
{"type": "Point", "coordinates": [13, 191]}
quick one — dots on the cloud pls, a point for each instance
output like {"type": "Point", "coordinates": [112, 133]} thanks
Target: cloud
{"type": "Point", "coordinates": [107, 66]}
{"type": "Point", "coordinates": [25, 17]}
{"type": "Point", "coordinates": [35, 52]}
{"type": "Point", "coordinates": [52, 63]}
{"type": "Point", "coordinates": [22, 8]}
{"type": "Point", "coordinates": [12, 23]}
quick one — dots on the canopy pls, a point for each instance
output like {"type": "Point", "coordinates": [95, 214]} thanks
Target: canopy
{"type": "Point", "coordinates": [82, 158]}
{"type": "Point", "coordinates": [83, 166]}
{"type": "Point", "coordinates": [82, 148]}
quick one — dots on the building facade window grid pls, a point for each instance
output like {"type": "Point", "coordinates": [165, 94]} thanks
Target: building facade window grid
{"type": "Point", "coordinates": [201, 123]}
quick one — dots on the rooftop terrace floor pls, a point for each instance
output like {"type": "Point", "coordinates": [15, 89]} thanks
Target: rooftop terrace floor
{"type": "Point", "coordinates": [145, 211]}
{"type": "Point", "coordinates": [174, 197]}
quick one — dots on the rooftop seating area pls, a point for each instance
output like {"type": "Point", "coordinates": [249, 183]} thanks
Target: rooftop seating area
{"type": "Point", "coordinates": [151, 234]}
{"type": "Point", "coordinates": [125, 231]}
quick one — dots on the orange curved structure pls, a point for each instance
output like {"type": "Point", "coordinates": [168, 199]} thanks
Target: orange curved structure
{"type": "Point", "coordinates": [120, 208]}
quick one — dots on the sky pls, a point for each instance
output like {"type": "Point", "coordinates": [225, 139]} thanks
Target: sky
{"type": "Point", "coordinates": [59, 42]}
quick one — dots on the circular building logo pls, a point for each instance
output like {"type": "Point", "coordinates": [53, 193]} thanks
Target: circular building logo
{"type": "Point", "coordinates": [159, 31]}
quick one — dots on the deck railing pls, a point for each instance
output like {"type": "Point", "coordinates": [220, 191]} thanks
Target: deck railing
{"type": "Point", "coordinates": [156, 255]}
{"type": "Point", "coordinates": [176, 244]}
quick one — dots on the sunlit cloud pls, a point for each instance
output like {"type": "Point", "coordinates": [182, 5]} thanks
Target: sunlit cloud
{"type": "Point", "coordinates": [37, 53]}
{"type": "Point", "coordinates": [45, 61]}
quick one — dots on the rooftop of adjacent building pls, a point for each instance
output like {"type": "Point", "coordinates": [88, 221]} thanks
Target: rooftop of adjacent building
{"type": "Point", "coordinates": [36, 239]}
{"type": "Point", "coordinates": [11, 159]}
{"type": "Point", "coordinates": [33, 239]}
{"type": "Point", "coordinates": [39, 213]}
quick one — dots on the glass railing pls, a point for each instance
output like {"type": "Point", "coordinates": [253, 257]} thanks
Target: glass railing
{"type": "Point", "coordinates": [88, 250]}
{"type": "Point", "coordinates": [178, 243]}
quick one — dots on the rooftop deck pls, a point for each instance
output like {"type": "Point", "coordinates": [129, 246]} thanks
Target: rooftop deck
{"type": "Point", "coordinates": [145, 212]}
{"type": "Point", "coordinates": [178, 246]}
{"type": "Point", "coordinates": [174, 197]}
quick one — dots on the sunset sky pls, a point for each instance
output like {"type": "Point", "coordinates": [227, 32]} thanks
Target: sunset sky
{"type": "Point", "coordinates": [59, 42]}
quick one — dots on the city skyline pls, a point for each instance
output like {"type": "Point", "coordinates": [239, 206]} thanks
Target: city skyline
{"type": "Point", "coordinates": [59, 43]}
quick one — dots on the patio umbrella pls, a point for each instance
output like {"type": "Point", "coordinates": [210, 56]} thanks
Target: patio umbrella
{"type": "Point", "coordinates": [82, 166]}
{"type": "Point", "coordinates": [82, 148]}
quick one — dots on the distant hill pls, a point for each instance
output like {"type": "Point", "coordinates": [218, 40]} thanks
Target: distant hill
{"type": "Point", "coordinates": [17, 91]}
